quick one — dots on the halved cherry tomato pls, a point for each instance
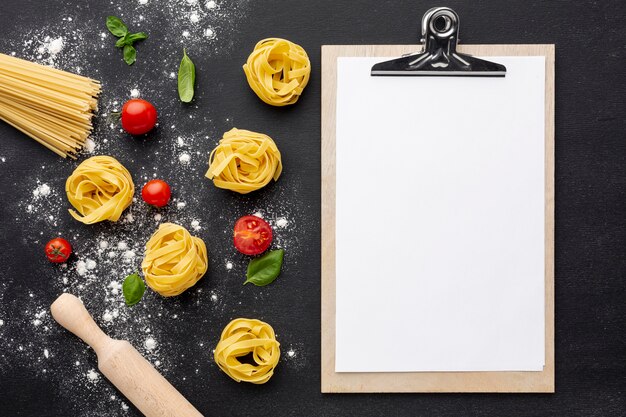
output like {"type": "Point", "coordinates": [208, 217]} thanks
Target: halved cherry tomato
{"type": "Point", "coordinates": [252, 236]}
{"type": "Point", "coordinates": [138, 116]}
{"type": "Point", "coordinates": [58, 250]}
{"type": "Point", "coordinates": [156, 192]}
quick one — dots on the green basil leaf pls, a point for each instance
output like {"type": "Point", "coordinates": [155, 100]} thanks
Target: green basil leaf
{"type": "Point", "coordinates": [130, 54]}
{"type": "Point", "coordinates": [133, 289]}
{"type": "Point", "coordinates": [139, 36]}
{"type": "Point", "coordinates": [265, 269]}
{"type": "Point", "coordinates": [116, 26]}
{"type": "Point", "coordinates": [121, 42]}
{"type": "Point", "coordinates": [130, 39]}
{"type": "Point", "coordinates": [186, 78]}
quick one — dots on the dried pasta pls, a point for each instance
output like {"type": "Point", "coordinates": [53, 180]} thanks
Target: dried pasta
{"type": "Point", "coordinates": [174, 260]}
{"type": "Point", "coordinates": [244, 161]}
{"type": "Point", "coordinates": [253, 339]}
{"type": "Point", "coordinates": [100, 188]}
{"type": "Point", "coordinates": [277, 71]}
{"type": "Point", "coordinates": [51, 106]}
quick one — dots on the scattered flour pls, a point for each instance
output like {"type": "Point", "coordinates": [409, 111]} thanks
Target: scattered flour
{"type": "Point", "coordinates": [50, 48]}
{"type": "Point", "coordinates": [158, 217]}
{"type": "Point", "coordinates": [195, 224]}
{"type": "Point", "coordinates": [42, 190]}
{"type": "Point", "coordinates": [46, 354]}
{"type": "Point", "coordinates": [54, 46]}
{"type": "Point", "coordinates": [90, 146]}
{"type": "Point", "coordinates": [180, 205]}
{"type": "Point", "coordinates": [115, 287]}
{"type": "Point", "coordinates": [93, 376]}
{"type": "Point", "coordinates": [107, 316]}
{"type": "Point", "coordinates": [229, 265]}
{"type": "Point", "coordinates": [134, 93]}
{"type": "Point", "coordinates": [150, 344]}
{"type": "Point", "coordinates": [211, 4]}
{"type": "Point", "coordinates": [282, 223]}
{"type": "Point", "coordinates": [81, 268]}
{"type": "Point", "coordinates": [184, 158]}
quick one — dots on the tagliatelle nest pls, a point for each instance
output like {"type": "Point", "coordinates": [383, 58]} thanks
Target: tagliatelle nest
{"type": "Point", "coordinates": [174, 260]}
{"type": "Point", "coordinates": [244, 161]}
{"type": "Point", "coordinates": [100, 188]}
{"type": "Point", "coordinates": [277, 71]}
{"type": "Point", "coordinates": [254, 340]}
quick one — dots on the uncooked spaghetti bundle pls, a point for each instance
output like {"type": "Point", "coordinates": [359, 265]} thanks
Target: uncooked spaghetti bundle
{"type": "Point", "coordinates": [51, 106]}
{"type": "Point", "coordinates": [277, 71]}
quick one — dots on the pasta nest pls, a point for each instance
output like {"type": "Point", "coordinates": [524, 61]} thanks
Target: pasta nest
{"type": "Point", "coordinates": [174, 260]}
{"type": "Point", "coordinates": [100, 188]}
{"type": "Point", "coordinates": [277, 71]}
{"type": "Point", "coordinates": [254, 339]}
{"type": "Point", "coordinates": [244, 161]}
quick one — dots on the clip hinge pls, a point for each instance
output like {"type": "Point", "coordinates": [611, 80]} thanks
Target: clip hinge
{"type": "Point", "coordinates": [440, 31]}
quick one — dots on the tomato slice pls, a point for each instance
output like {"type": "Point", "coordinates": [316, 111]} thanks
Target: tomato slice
{"type": "Point", "coordinates": [253, 235]}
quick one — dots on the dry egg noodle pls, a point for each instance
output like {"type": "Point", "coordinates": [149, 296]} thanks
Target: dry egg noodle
{"type": "Point", "coordinates": [243, 337]}
{"type": "Point", "coordinates": [100, 188]}
{"type": "Point", "coordinates": [51, 106]}
{"type": "Point", "coordinates": [278, 70]}
{"type": "Point", "coordinates": [244, 161]}
{"type": "Point", "coordinates": [174, 260]}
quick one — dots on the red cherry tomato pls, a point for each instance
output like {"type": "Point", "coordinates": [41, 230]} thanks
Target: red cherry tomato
{"type": "Point", "coordinates": [156, 192]}
{"type": "Point", "coordinates": [252, 236]}
{"type": "Point", "coordinates": [58, 250]}
{"type": "Point", "coordinates": [138, 116]}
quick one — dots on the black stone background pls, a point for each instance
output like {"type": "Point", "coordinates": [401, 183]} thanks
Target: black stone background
{"type": "Point", "coordinates": [590, 38]}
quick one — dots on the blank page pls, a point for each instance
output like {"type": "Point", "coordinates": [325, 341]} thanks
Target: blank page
{"type": "Point", "coordinates": [440, 220]}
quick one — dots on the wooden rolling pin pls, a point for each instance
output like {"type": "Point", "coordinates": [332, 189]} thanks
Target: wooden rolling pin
{"type": "Point", "coordinates": [120, 362]}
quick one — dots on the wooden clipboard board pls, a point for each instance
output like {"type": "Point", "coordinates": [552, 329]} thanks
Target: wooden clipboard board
{"type": "Point", "coordinates": [333, 382]}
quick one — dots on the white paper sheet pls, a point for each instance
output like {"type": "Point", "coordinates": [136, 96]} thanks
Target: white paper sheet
{"type": "Point", "coordinates": [440, 220]}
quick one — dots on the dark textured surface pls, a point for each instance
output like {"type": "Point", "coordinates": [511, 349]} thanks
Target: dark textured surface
{"type": "Point", "coordinates": [590, 209]}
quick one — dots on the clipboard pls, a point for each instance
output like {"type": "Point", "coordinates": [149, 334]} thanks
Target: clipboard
{"type": "Point", "coordinates": [430, 381]}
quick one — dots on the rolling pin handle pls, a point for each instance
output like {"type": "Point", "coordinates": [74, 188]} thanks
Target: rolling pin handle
{"type": "Point", "coordinates": [70, 313]}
